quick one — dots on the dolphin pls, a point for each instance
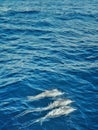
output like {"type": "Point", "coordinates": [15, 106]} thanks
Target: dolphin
{"type": "Point", "coordinates": [47, 93]}
{"type": "Point", "coordinates": [57, 112]}
{"type": "Point", "coordinates": [58, 103]}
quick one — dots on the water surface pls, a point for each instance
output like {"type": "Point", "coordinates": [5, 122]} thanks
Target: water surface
{"type": "Point", "coordinates": [46, 45]}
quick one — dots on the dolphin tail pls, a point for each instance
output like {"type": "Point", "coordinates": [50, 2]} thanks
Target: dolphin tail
{"type": "Point", "coordinates": [30, 98]}
{"type": "Point", "coordinates": [30, 123]}
{"type": "Point", "coordinates": [40, 120]}
{"type": "Point", "coordinates": [24, 113]}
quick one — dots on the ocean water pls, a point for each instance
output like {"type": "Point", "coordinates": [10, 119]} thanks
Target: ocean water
{"type": "Point", "coordinates": [48, 53]}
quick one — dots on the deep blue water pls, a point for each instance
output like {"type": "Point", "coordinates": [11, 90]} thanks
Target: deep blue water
{"type": "Point", "coordinates": [46, 45]}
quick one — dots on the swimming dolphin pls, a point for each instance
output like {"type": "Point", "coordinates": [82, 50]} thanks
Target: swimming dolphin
{"type": "Point", "coordinates": [65, 110]}
{"type": "Point", "coordinates": [58, 103]}
{"type": "Point", "coordinates": [56, 113]}
{"type": "Point", "coordinates": [47, 93]}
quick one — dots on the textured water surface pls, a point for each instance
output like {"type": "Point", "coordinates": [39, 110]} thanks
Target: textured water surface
{"type": "Point", "coordinates": [48, 45]}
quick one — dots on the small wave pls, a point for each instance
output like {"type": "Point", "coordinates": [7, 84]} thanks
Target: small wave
{"type": "Point", "coordinates": [44, 24]}
{"type": "Point", "coordinates": [28, 11]}
{"type": "Point", "coordinates": [4, 9]}
{"type": "Point", "coordinates": [75, 15]}
{"type": "Point", "coordinates": [26, 31]}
